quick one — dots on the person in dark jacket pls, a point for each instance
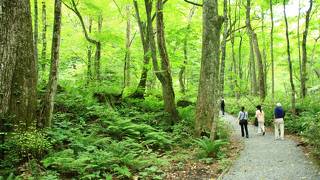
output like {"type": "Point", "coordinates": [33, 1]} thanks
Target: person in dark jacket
{"type": "Point", "coordinates": [222, 105]}
{"type": "Point", "coordinates": [279, 122]}
{"type": "Point", "coordinates": [243, 122]}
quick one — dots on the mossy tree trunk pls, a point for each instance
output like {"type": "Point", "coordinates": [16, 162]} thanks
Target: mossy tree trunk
{"type": "Point", "coordinates": [44, 36]}
{"type": "Point", "coordinates": [271, 49]}
{"type": "Point", "coordinates": [163, 73]}
{"type": "Point", "coordinates": [253, 38]}
{"type": "Point", "coordinates": [304, 77]}
{"type": "Point", "coordinates": [141, 88]}
{"type": "Point", "coordinates": [18, 70]}
{"type": "Point", "coordinates": [223, 47]}
{"type": "Point", "coordinates": [48, 103]}
{"type": "Point", "coordinates": [207, 107]}
{"type": "Point", "coordinates": [293, 91]}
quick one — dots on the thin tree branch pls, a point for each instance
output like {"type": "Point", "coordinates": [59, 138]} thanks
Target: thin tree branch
{"type": "Point", "coordinates": [119, 9]}
{"type": "Point", "coordinates": [190, 2]}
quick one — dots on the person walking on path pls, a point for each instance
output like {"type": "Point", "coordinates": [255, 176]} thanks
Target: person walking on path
{"type": "Point", "coordinates": [243, 122]}
{"type": "Point", "coordinates": [222, 105]}
{"type": "Point", "coordinates": [278, 122]}
{"type": "Point", "coordinates": [260, 117]}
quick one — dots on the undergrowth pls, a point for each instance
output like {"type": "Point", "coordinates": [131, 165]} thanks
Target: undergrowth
{"type": "Point", "coordinates": [93, 140]}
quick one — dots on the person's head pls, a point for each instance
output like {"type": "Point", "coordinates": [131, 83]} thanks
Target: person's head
{"type": "Point", "coordinates": [242, 109]}
{"type": "Point", "coordinates": [278, 104]}
{"type": "Point", "coordinates": [259, 108]}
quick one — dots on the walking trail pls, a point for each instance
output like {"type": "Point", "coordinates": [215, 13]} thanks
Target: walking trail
{"type": "Point", "coordinates": [264, 158]}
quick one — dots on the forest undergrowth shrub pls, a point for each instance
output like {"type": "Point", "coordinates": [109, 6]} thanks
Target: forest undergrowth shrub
{"type": "Point", "coordinates": [99, 142]}
{"type": "Point", "coordinates": [210, 150]}
{"type": "Point", "coordinates": [312, 135]}
{"type": "Point", "coordinates": [21, 148]}
{"type": "Point", "coordinates": [183, 131]}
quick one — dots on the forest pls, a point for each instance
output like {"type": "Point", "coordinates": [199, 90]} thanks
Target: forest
{"type": "Point", "coordinates": [131, 89]}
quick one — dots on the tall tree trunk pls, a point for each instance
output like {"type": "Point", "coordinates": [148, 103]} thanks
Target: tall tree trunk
{"type": "Point", "coordinates": [254, 39]}
{"type": "Point", "coordinates": [185, 52]}
{"type": "Point", "coordinates": [234, 68]}
{"type": "Point", "coordinates": [254, 88]}
{"type": "Point", "coordinates": [44, 36]}
{"type": "Point", "coordinates": [97, 56]}
{"type": "Point", "coordinates": [240, 68]}
{"type": "Point", "coordinates": [128, 53]}
{"type": "Point", "coordinates": [35, 30]}
{"type": "Point", "coordinates": [164, 75]}
{"type": "Point", "coordinates": [271, 48]}
{"type": "Point", "coordinates": [317, 72]}
{"type": "Point", "coordinates": [223, 46]}
{"type": "Point", "coordinates": [89, 55]}
{"type": "Point", "coordinates": [167, 85]}
{"type": "Point", "coordinates": [264, 55]}
{"type": "Point", "coordinates": [139, 93]}
{"type": "Point", "coordinates": [304, 77]}
{"type": "Point", "coordinates": [207, 110]}
{"type": "Point", "coordinates": [293, 91]}
{"type": "Point", "coordinates": [299, 48]}
{"type": "Point", "coordinates": [18, 74]}
{"type": "Point", "coordinates": [48, 103]}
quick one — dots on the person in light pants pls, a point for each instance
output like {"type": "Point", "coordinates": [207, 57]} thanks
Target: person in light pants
{"type": "Point", "coordinates": [260, 117]}
{"type": "Point", "coordinates": [279, 122]}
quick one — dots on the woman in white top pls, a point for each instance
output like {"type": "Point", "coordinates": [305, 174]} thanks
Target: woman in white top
{"type": "Point", "coordinates": [260, 117]}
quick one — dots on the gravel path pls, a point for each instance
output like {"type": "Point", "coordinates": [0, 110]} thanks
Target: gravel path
{"type": "Point", "coordinates": [264, 158]}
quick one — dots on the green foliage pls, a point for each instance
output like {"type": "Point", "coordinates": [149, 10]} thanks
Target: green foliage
{"type": "Point", "coordinates": [312, 135]}
{"type": "Point", "coordinates": [210, 148]}
{"type": "Point", "coordinates": [29, 143]}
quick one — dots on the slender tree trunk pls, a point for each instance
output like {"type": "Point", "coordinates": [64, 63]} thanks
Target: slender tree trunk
{"type": "Point", "coordinates": [240, 59]}
{"type": "Point", "coordinates": [48, 103]}
{"type": "Point", "coordinates": [89, 55]}
{"type": "Point", "coordinates": [223, 46]}
{"type": "Point", "coordinates": [293, 92]}
{"type": "Point", "coordinates": [185, 52]}
{"type": "Point", "coordinates": [97, 56]}
{"type": "Point", "coordinates": [234, 68]}
{"type": "Point", "coordinates": [299, 47]}
{"type": "Point", "coordinates": [304, 77]}
{"type": "Point", "coordinates": [254, 88]}
{"type": "Point", "coordinates": [128, 53]}
{"type": "Point", "coordinates": [73, 7]}
{"type": "Point", "coordinates": [271, 48]}
{"type": "Point", "coordinates": [44, 36]}
{"type": "Point", "coordinates": [167, 85]}
{"type": "Point", "coordinates": [139, 93]}
{"type": "Point", "coordinates": [264, 55]}
{"type": "Point", "coordinates": [164, 75]}
{"type": "Point", "coordinates": [254, 39]}
{"type": "Point", "coordinates": [207, 110]}
{"type": "Point", "coordinates": [18, 71]}
{"type": "Point", "coordinates": [317, 72]}
{"type": "Point", "coordinates": [35, 30]}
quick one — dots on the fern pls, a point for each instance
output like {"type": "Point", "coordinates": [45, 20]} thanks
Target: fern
{"type": "Point", "coordinates": [209, 148]}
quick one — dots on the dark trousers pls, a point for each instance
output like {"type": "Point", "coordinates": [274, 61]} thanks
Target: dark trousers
{"type": "Point", "coordinates": [222, 109]}
{"type": "Point", "coordinates": [244, 127]}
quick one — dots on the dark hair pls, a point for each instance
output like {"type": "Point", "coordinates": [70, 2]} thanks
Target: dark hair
{"type": "Point", "coordinates": [259, 108]}
{"type": "Point", "coordinates": [242, 109]}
